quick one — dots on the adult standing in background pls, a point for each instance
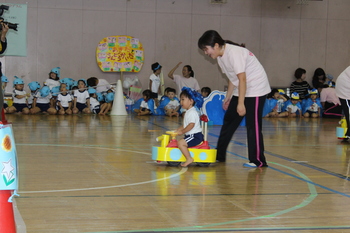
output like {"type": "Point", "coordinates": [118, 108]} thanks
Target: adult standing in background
{"type": "Point", "coordinates": [3, 46]}
{"type": "Point", "coordinates": [248, 86]}
{"type": "Point", "coordinates": [186, 80]}
{"type": "Point", "coordinates": [342, 89]}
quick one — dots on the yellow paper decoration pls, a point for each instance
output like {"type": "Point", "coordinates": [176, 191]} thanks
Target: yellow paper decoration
{"type": "Point", "coordinates": [120, 54]}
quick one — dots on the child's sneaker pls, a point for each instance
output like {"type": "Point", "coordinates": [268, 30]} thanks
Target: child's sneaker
{"type": "Point", "coordinates": [251, 165]}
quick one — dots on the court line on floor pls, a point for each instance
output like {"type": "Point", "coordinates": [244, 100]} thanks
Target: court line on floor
{"type": "Point", "coordinates": [183, 170]}
{"type": "Point", "coordinates": [313, 194]}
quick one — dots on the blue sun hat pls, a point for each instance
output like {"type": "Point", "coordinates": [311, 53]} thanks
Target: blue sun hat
{"type": "Point", "coordinates": [55, 91]}
{"type": "Point", "coordinates": [313, 91]}
{"type": "Point", "coordinates": [33, 86]}
{"type": "Point", "coordinates": [99, 97]}
{"type": "Point", "coordinates": [295, 96]}
{"type": "Point", "coordinates": [197, 97]}
{"type": "Point", "coordinates": [75, 84]}
{"type": "Point", "coordinates": [44, 91]}
{"type": "Point", "coordinates": [4, 79]}
{"type": "Point", "coordinates": [17, 81]}
{"type": "Point", "coordinates": [92, 90]}
{"type": "Point", "coordinates": [56, 71]}
{"type": "Point", "coordinates": [68, 81]}
{"type": "Point", "coordinates": [281, 91]}
{"type": "Point", "coordinates": [331, 84]}
{"type": "Point", "coordinates": [109, 97]}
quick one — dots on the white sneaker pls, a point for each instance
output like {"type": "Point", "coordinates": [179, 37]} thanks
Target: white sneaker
{"type": "Point", "coordinates": [251, 165]}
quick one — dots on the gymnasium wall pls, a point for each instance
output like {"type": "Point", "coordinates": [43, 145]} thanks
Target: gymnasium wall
{"type": "Point", "coordinates": [283, 35]}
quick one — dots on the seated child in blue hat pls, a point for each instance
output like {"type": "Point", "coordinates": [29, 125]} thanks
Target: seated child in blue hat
{"type": "Point", "coordinates": [19, 96]}
{"type": "Point", "coordinates": [4, 81]}
{"type": "Point", "coordinates": [64, 101]}
{"type": "Point", "coordinates": [54, 77]}
{"type": "Point", "coordinates": [81, 98]}
{"type": "Point", "coordinates": [95, 105]}
{"type": "Point", "coordinates": [42, 102]}
{"type": "Point", "coordinates": [146, 105]}
{"type": "Point", "coordinates": [293, 106]}
{"type": "Point", "coordinates": [173, 106]}
{"type": "Point", "coordinates": [34, 88]}
{"type": "Point", "coordinates": [277, 95]}
{"type": "Point", "coordinates": [312, 106]}
{"type": "Point", "coordinates": [108, 102]}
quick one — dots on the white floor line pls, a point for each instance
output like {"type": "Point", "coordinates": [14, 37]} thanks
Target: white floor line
{"type": "Point", "coordinates": [20, 225]}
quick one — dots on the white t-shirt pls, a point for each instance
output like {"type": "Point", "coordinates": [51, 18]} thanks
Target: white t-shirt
{"type": "Point", "coordinates": [94, 103]}
{"type": "Point", "coordinates": [293, 108]}
{"type": "Point", "coordinates": [173, 104]}
{"type": "Point", "coordinates": [81, 96]}
{"type": "Point", "coordinates": [144, 104]}
{"type": "Point", "coordinates": [190, 82]}
{"type": "Point", "coordinates": [192, 116]}
{"type": "Point", "coordinates": [16, 100]}
{"type": "Point", "coordinates": [342, 85]}
{"type": "Point", "coordinates": [103, 85]}
{"type": "Point", "coordinates": [51, 83]}
{"type": "Point", "coordinates": [236, 60]}
{"type": "Point", "coordinates": [42, 100]}
{"type": "Point", "coordinates": [64, 99]}
{"type": "Point", "coordinates": [155, 83]}
{"type": "Point", "coordinates": [314, 107]}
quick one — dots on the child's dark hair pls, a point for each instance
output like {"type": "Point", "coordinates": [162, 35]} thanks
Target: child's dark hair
{"type": "Point", "coordinates": [156, 66]}
{"type": "Point", "coordinates": [171, 90]}
{"type": "Point", "coordinates": [211, 37]}
{"type": "Point", "coordinates": [167, 89]}
{"type": "Point", "coordinates": [299, 72]}
{"type": "Point", "coordinates": [189, 68]}
{"type": "Point", "coordinates": [192, 95]}
{"type": "Point", "coordinates": [206, 90]}
{"type": "Point", "coordinates": [186, 94]}
{"type": "Point", "coordinates": [92, 82]}
{"type": "Point", "coordinates": [147, 93]}
{"type": "Point", "coordinates": [272, 93]}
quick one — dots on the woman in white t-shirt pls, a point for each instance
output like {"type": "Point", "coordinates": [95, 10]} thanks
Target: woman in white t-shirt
{"type": "Point", "coordinates": [248, 86]}
{"type": "Point", "coordinates": [186, 80]}
{"type": "Point", "coordinates": [342, 88]}
{"type": "Point", "coordinates": [154, 82]}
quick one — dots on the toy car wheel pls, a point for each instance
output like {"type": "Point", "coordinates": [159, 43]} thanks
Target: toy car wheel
{"type": "Point", "coordinates": [203, 164]}
{"type": "Point", "coordinates": [174, 164]}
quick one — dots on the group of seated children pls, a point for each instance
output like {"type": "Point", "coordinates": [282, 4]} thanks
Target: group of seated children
{"type": "Point", "coordinates": [169, 104]}
{"type": "Point", "coordinates": [61, 96]}
{"type": "Point", "coordinates": [279, 105]}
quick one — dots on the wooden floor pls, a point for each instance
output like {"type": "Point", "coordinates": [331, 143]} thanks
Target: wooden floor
{"type": "Point", "coordinates": [90, 173]}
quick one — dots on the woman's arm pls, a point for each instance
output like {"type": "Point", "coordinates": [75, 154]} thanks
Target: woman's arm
{"type": "Point", "coordinates": [242, 88]}
{"type": "Point", "coordinates": [171, 72]}
{"type": "Point", "coordinates": [228, 95]}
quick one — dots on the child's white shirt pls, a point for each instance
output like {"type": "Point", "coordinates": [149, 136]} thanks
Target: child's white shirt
{"type": "Point", "coordinates": [51, 83]}
{"type": "Point", "coordinates": [93, 103]}
{"type": "Point", "coordinates": [42, 100]}
{"type": "Point", "coordinates": [155, 83]}
{"type": "Point", "coordinates": [81, 96]}
{"type": "Point", "coordinates": [293, 108]}
{"type": "Point", "coordinates": [64, 99]}
{"type": "Point", "coordinates": [16, 100]}
{"type": "Point", "coordinates": [144, 104]}
{"type": "Point", "coordinates": [192, 116]}
{"type": "Point", "coordinates": [173, 104]}
{"type": "Point", "coordinates": [314, 107]}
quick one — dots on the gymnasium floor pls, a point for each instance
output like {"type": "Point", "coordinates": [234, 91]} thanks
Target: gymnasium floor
{"type": "Point", "coordinates": [89, 173]}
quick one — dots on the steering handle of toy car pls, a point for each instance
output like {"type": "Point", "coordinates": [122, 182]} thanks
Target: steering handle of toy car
{"type": "Point", "coordinates": [172, 134]}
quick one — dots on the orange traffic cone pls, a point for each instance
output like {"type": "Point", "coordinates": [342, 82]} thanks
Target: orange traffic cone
{"type": "Point", "coordinates": [7, 219]}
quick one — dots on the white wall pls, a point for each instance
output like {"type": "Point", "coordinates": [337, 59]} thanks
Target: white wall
{"type": "Point", "coordinates": [282, 34]}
